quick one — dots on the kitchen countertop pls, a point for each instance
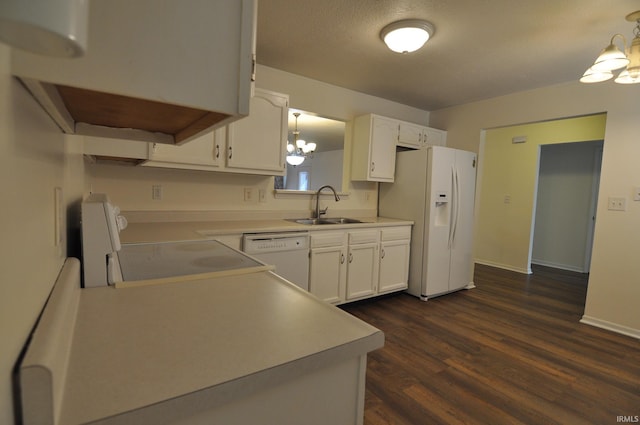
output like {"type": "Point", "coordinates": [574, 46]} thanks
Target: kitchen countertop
{"type": "Point", "coordinates": [173, 231]}
{"type": "Point", "coordinates": [164, 351]}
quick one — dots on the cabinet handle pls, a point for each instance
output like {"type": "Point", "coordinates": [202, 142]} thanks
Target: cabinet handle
{"type": "Point", "coordinates": [341, 258]}
{"type": "Point", "coordinates": [230, 152]}
{"type": "Point", "coordinates": [382, 253]}
{"type": "Point", "coordinates": [350, 258]}
{"type": "Point", "coordinates": [217, 151]}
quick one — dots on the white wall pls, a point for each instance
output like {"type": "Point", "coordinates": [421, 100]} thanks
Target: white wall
{"type": "Point", "coordinates": [34, 159]}
{"type": "Point", "coordinates": [614, 283]}
{"type": "Point", "coordinates": [563, 209]}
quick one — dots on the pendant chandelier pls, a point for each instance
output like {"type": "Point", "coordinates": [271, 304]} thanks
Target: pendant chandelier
{"type": "Point", "coordinates": [612, 59]}
{"type": "Point", "coordinates": [299, 149]}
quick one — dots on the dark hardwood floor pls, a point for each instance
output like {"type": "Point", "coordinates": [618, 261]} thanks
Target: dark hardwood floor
{"type": "Point", "coordinates": [511, 351]}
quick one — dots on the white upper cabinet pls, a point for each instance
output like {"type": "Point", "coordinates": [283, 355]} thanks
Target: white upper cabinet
{"type": "Point", "coordinates": [198, 154]}
{"type": "Point", "coordinates": [374, 148]}
{"type": "Point", "coordinates": [416, 136]}
{"type": "Point", "coordinates": [259, 142]}
{"type": "Point", "coordinates": [164, 72]}
{"type": "Point", "coordinates": [410, 135]}
{"type": "Point", "coordinates": [434, 137]}
{"type": "Point", "coordinates": [374, 144]}
{"type": "Point", "coordinates": [253, 145]}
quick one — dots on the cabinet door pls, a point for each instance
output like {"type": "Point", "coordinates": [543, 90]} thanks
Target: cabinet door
{"type": "Point", "coordinates": [410, 135]}
{"type": "Point", "coordinates": [384, 137]}
{"type": "Point", "coordinates": [258, 142]}
{"type": "Point", "coordinates": [327, 273]}
{"type": "Point", "coordinates": [198, 154]}
{"type": "Point", "coordinates": [362, 270]}
{"type": "Point", "coordinates": [394, 266]}
{"type": "Point", "coordinates": [434, 137]}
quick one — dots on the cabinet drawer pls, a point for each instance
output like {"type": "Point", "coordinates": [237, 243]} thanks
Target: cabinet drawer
{"type": "Point", "coordinates": [363, 236]}
{"type": "Point", "coordinates": [396, 233]}
{"type": "Point", "coordinates": [322, 239]}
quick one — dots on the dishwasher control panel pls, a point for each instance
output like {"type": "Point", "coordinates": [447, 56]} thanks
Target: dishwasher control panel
{"type": "Point", "coordinates": [272, 242]}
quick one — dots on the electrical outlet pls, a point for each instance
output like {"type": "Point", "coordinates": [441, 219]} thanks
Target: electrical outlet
{"type": "Point", "coordinates": [248, 194]}
{"type": "Point", "coordinates": [617, 204]}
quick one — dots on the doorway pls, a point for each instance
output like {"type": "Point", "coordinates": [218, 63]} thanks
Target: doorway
{"type": "Point", "coordinates": [567, 195]}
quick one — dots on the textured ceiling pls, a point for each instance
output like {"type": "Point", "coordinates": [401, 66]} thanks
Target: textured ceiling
{"type": "Point", "coordinates": [480, 48]}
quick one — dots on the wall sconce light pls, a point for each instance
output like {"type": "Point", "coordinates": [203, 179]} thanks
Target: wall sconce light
{"type": "Point", "coordinates": [612, 59]}
{"type": "Point", "coordinates": [406, 36]}
{"type": "Point", "coordinates": [47, 27]}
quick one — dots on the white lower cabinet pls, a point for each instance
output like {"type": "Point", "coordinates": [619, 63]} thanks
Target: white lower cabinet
{"type": "Point", "coordinates": [348, 265]}
{"type": "Point", "coordinates": [362, 266]}
{"type": "Point", "coordinates": [394, 259]}
{"type": "Point", "coordinates": [327, 266]}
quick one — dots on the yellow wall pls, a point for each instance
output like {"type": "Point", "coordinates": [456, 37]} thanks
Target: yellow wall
{"type": "Point", "coordinates": [508, 183]}
{"type": "Point", "coordinates": [614, 281]}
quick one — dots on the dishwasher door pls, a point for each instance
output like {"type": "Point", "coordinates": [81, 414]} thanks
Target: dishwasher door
{"type": "Point", "coordinates": [288, 252]}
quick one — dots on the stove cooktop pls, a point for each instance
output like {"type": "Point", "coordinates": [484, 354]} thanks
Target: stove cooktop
{"type": "Point", "coordinates": [145, 261]}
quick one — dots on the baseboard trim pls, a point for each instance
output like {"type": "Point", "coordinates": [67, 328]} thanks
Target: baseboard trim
{"type": "Point", "coordinates": [610, 326]}
{"type": "Point", "coordinates": [558, 266]}
{"type": "Point", "coordinates": [503, 266]}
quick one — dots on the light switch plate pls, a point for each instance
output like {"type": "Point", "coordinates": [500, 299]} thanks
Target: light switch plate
{"type": "Point", "coordinates": [58, 218]}
{"type": "Point", "coordinates": [636, 193]}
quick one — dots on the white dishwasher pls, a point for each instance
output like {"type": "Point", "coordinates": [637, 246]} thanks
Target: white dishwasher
{"type": "Point", "coordinates": [288, 252]}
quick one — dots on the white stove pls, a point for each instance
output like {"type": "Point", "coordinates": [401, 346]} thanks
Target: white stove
{"type": "Point", "coordinates": [108, 262]}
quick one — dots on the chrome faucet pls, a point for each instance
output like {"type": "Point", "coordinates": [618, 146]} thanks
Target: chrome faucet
{"type": "Point", "coordinates": [318, 211]}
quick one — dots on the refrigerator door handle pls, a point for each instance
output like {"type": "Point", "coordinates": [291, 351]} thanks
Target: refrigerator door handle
{"type": "Point", "coordinates": [455, 210]}
{"type": "Point", "coordinates": [452, 213]}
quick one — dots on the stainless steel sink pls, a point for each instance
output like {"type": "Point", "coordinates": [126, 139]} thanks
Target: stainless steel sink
{"type": "Point", "coordinates": [327, 220]}
{"type": "Point", "coordinates": [340, 220]}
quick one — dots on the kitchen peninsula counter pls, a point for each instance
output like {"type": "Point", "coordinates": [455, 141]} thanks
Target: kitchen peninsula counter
{"type": "Point", "coordinates": [250, 348]}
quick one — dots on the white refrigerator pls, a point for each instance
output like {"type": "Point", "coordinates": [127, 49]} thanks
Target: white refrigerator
{"type": "Point", "coordinates": [435, 188]}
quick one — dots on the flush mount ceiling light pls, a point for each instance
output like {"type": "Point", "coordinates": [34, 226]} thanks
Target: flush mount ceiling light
{"type": "Point", "coordinates": [611, 59]}
{"type": "Point", "coordinates": [299, 149]}
{"type": "Point", "coordinates": [406, 36]}
{"type": "Point", "coordinates": [48, 27]}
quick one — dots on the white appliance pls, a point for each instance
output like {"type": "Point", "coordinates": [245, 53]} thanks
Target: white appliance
{"type": "Point", "coordinates": [287, 252]}
{"type": "Point", "coordinates": [101, 224]}
{"type": "Point", "coordinates": [106, 261]}
{"type": "Point", "coordinates": [435, 188]}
